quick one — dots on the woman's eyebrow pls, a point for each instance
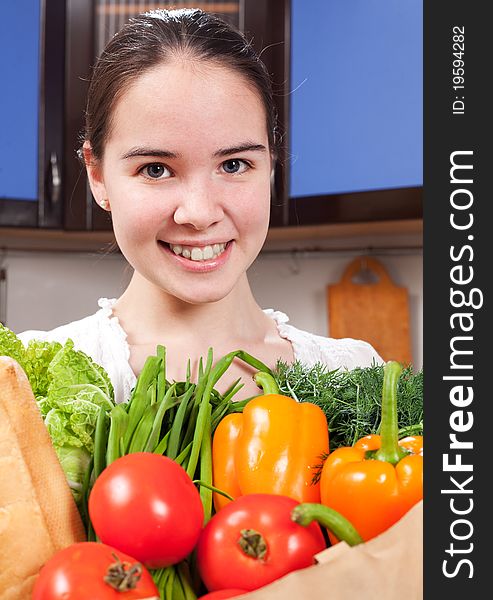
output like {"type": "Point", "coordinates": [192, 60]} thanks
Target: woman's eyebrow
{"type": "Point", "coordinates": [246, 147]}
{"type": "Point", "coordinates": [143, 151]}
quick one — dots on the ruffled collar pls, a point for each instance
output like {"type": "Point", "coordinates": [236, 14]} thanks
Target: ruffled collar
{"type": "Point", "coordinates": [106, 310]}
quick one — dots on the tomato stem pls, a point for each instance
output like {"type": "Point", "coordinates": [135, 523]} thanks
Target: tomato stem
{"type": "Point", "coordinates": [253, 543]}
{"type": "Point", "coordinates": [123, 576]}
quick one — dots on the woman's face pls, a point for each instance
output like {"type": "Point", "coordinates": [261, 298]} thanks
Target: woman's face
{"type": "Point", "coordinates": [186, 170]}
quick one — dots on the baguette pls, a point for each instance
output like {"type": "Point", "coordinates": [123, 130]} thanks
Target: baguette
{"type": "Point", "coordinates": [38, 515]}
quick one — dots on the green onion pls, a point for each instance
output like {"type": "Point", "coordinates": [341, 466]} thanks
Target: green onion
{"type": "Point", "coordinates": [206, 467]}
{"type": "Point", "coordinates": [161, 376]}
{"type": "Point", "coordinates": [184, 574]}
{"type": "Point", "coordinates": [164, 405]}
{"type": "Point", "coordinates": [182, 458]}
{"type": "Point", "coordinates": [100, 440]}
{"type": "Point", "coordinates": [168, 590]}
{"type": "Point", "coordinates": [176, 428]}
{"type": "Point", "coordinates": [140, 399]}
{"type": "Point", "coordinates": [118, 425]}
{"type": "Point", "coordinates": [163, 444]}
{"type": "Point", "coordinates": [143, 430]}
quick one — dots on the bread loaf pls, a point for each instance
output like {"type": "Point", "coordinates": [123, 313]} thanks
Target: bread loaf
{"type": "Point", "coordinates": [38, 515]}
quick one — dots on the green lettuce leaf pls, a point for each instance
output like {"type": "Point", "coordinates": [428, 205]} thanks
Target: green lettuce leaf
{"type": "Point", "coordinates": [78, 388]}
{"type": "Point", "coordinates": [80, 407]}
{"type": "Point", "coordinates": [75, 462]}
{"type": "Point", "coordinates": [11, 345]}
{"type": "Point", "coordinates": [43, 405]}
{"type": "Point", "coordinates": [58, 425]}
{"type": "Point", "coordinates": [70, 367]}
{"type": "Point", "coordinates": [67, 396]}
{"type": "Point", "coordinates": [37, 359]}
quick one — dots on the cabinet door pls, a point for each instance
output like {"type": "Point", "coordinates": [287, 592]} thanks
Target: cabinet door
{"type": "Point", "coordinates": [356, 116]}
{"type": "Point", "coordinates": [19, 118]}
{"type": "Point", "coordinates": [91, 24]}
{"type": "Point", "coordinates": [31, 113]}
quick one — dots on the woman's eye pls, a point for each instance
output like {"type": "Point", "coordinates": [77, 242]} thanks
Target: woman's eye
{"type": "Point", "coordinates": [235, 166]}
{"type": "Point", "coordinates": [155, 171]}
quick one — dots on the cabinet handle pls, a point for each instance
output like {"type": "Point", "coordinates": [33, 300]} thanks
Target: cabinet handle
{"type": "Point", "coordinates": [56, 181]}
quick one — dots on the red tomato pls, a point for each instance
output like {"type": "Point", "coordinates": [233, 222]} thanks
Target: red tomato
{"type": "Point", "coordinates": [77, 572]}
{"type": "Point", "coordinates": [146, 505]}
{"type": "Point", "coordinates": [222, 594]}
{"type": "Point", "coordinates": [222, 561]}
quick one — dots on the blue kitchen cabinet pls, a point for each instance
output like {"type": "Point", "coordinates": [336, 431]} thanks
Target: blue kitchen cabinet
{"type": "Point", "coordinates": [31, 113]}
{"type": "Point", "coordinates": [356, 113]}
{"type": "Point", "coordinates": [19, 99]}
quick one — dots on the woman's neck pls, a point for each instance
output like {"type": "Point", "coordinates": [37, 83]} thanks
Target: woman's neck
{"type": "Point", "coordinates": [148, 315]}
{"type": "Point", "coordinates": [150, 318]}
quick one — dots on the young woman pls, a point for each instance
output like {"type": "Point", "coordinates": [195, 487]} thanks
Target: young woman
{"type": "Point", "coordinates": [180, 145]}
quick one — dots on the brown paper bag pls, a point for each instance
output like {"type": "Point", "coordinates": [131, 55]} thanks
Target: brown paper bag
{"type": "Point", "coordinates": [38, 515]}
{"type": "Point", "coordinates": [386, 568]}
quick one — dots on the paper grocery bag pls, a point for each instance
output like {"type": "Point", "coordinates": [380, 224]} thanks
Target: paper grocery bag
{"type": "Point", "coordinates": [38, 515]}
{"type": "Point", "coordinates": [386, 568]}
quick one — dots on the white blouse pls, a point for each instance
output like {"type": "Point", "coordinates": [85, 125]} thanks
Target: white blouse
{"type": "Point", "coordinates": [101, 337]}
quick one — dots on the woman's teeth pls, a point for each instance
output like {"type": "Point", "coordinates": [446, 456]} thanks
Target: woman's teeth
{"type": "Point", "coordinates": [195, 253]}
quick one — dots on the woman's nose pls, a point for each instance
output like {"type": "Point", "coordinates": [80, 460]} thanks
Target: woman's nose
{"type": "Point", "coordinates": [199, 206]}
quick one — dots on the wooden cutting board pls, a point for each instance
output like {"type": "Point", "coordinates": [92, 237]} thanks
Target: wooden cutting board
{"type": "Point", "coordinates": [367, 305]}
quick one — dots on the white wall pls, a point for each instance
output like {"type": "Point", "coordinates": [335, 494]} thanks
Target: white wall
{"type": "Point", "coordinates": [47, 289]}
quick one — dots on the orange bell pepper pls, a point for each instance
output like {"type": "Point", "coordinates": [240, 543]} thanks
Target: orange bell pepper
{"type": "Point", "coordinates": [376, 481]}
{"type": "Point", "coordinates": [274, 447]}
{"type": "Point", "coordinates": [223, 459]}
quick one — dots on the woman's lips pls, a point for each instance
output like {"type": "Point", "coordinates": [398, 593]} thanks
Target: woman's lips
{"type": "Point", "coordinates": [199, 266]}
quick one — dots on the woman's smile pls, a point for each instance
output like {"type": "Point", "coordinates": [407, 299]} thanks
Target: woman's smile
{"type": "Point", "coordinates": [198, 259]}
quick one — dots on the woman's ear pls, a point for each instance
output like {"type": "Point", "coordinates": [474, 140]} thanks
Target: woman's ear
{"type": "Point", "coordinates": [95, 176]}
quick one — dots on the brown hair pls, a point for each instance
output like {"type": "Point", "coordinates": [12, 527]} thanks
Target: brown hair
{"type": "Point", "coordinates": [149, 39]}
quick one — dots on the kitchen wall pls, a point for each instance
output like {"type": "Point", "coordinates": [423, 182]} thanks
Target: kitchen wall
{"type": "Point", "coordinates": [46, 289]}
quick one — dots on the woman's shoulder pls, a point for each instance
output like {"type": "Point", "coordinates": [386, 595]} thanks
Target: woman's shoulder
{"type": "Point", "coordinates": [310, 348]}
{"type": "Point", "coordinates": [99, 336]}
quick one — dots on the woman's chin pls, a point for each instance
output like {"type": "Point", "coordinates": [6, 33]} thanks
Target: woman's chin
{"type": "Point", "coordinates": [199, 297]}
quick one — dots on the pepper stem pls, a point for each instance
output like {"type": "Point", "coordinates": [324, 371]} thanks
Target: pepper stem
{"type": "Point", "coordinates": [390, 451]}
{"type": "Point", "coordinates": [344, 530]}
{"type": "Point", "coordinates": [266, 382]}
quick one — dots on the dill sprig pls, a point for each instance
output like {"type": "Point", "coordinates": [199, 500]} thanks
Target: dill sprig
{"type": "Point", "coordinates": [351, 399]}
